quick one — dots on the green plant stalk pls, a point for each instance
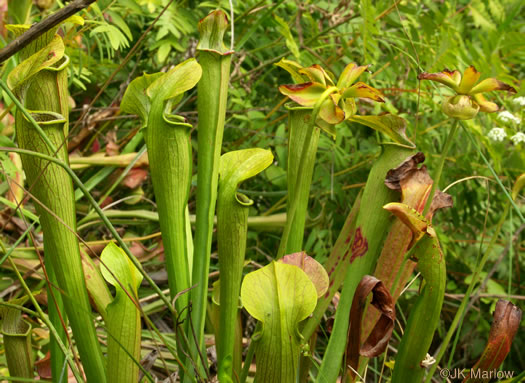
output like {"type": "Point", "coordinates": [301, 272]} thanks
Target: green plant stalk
{"type": "Point", "coordinates": [439, 170]}
{"type": "Point", "coordinates": [211, 103]}
{"type": "Point", "coordinates": [231, 236]}
{"type": "Point", "coordinates": [169, 153]}
{"type": "Point", "coordinates": [62, 248]}
{"type": "Point", "coordinates": [16, 334]}
{"type": "Point", "coordinates": [295, 200]}
{"type": "Point", "coordinates": [298, 118]}
{"type": "Point", "coordinates": [373, 223]}
{"type": "Point", "coordinates": [42, 84]}
{"type": "Point", "coordinates": [424, 317]}
{"type": "Point", "coordinates": [458, 318]}
{"type": "Point", "coordinates": [336, 266]}
{"type": "Point", "coordinates": [232, 227]}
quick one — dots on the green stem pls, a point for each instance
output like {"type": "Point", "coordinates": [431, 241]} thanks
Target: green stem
{"type": "Point", "coordinates": [169, 153]}
{"type": "Point", "coordinates": [231, 231]}
{"type": "Point", "coordinates": [439, 169]}
{"type": "Point", "coordinates": [297, 121]}
{"type": "Point", "coordinates": [363, 253]}
{"type": "Point", "coordinates": [249, 355]}
{"type": "Point", "coordinates": [424, 317]}
{"type": "Point", "coordinates": [58, 317]}
{"type": "Point", "coordinates": [61, 244]}
{"type": "Point", "coordinates": [232, 227]}
{"type": "Point", "coordinates": [211, 102]}
{"type": "Point", "coordinates": [294, 202]}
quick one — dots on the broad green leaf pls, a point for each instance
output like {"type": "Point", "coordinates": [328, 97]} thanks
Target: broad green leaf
{"type": "Point", "coordinates": [392, 126]}
{"type": "Point", "coordinates": [135, 99]}
{"type": "Point", "coordinates": [280, 296]}
{"type": "Point", "coordinates": [123, 316]}
{"type": "Point", "coordinates": [311, 267]}
{"type": "Point", "coordinates": [44, 58]}
{"type": "Point", "coordinates": [240, 165]}
{"type": "Point", "coordinates": [175, 82]}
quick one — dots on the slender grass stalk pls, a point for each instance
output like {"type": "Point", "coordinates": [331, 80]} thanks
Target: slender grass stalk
{"type": "Point", "coordinates": [372, 225]}
{"type": "Point", "coordinates": [215, 60]}
{"type": "Point", "coordinates": [503, 189]}
{"type": "Point", "coordinates": [232, 226]}
{"type": "Point", "coordinates": [297, 121]}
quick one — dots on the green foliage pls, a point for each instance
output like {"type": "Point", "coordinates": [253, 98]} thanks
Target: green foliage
{"type": "Point", "coordinates": [398, 39]}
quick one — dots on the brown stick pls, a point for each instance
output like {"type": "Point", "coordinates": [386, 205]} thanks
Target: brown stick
{"type": "Point", "coordinates": [40, 28]}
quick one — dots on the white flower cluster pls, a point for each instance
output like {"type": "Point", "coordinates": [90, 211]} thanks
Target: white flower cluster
{"type": "Point", "coordinates": [519, 101]}
{"type": "Point", "coordinates": [507, 116]}
{"type": "Point", "coordinates": [497, 134]}
{"type": "Point", "coordinates": [518, 137]}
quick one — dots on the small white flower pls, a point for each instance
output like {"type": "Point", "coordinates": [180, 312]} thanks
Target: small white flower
{"type": "Point", "coordinates": [506, 116]}
{"type": "Point", "coordinates": [519, 101]}
{"type": "Point", "coordinates": [428, 361]}
{"type": "Point", "coordinates": [518, 137]}
{"type": "Point", "coordinates": [497, 134]}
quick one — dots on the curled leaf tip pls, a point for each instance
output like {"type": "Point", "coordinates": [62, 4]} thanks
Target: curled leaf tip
{"type": "Point", "coordinates": [211, 31]}
{"type": "Point", "coordinates": [378, 339]}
